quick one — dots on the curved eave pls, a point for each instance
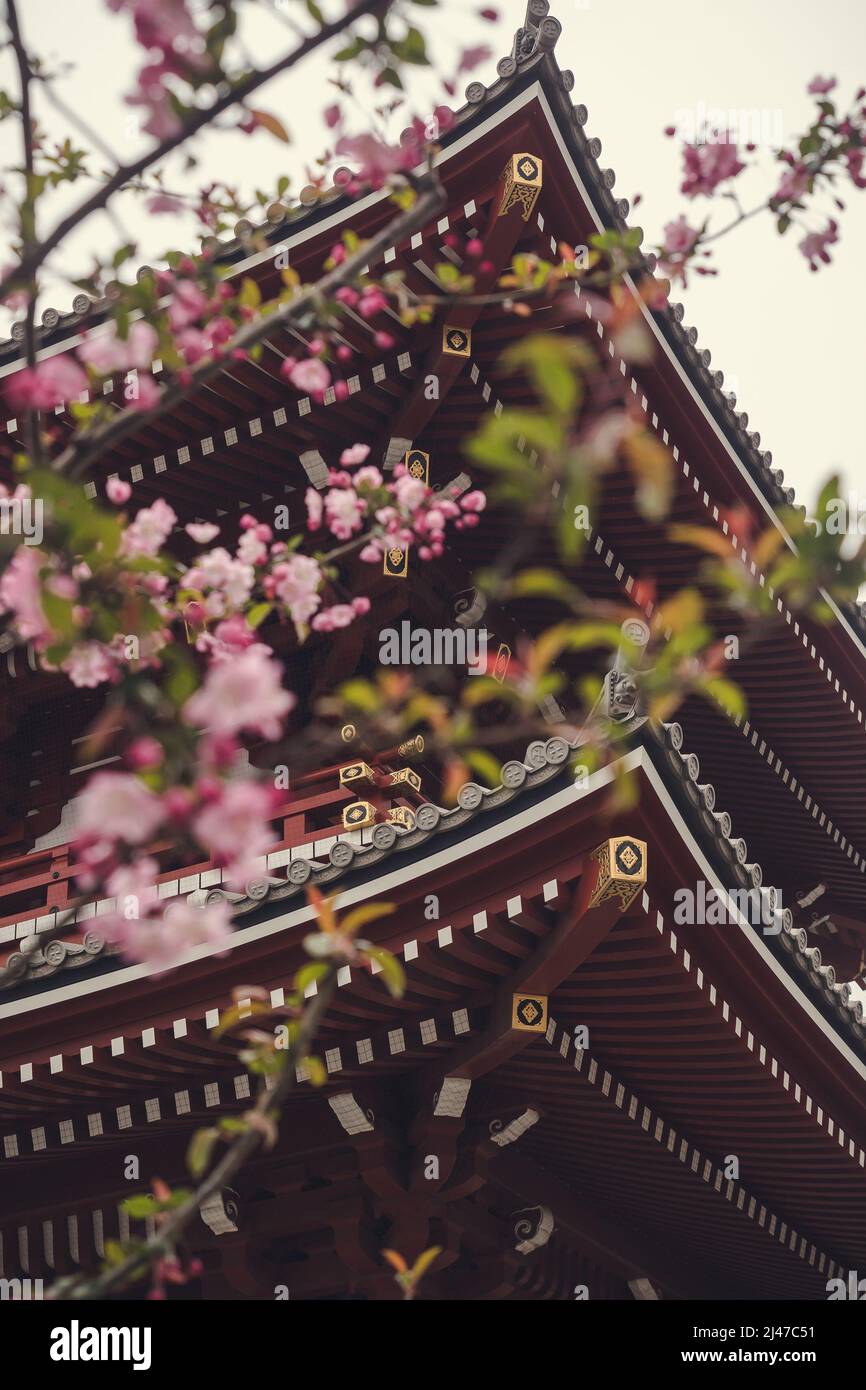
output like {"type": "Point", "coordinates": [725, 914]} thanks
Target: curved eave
{"type": "Point", "coordinates": [809, 1004]}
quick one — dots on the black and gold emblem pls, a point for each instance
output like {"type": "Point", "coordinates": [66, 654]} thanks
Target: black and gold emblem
{"type": "Point", "coordinates": [529, 1013]}
{"type": "Point", "coordinates": [418, 465]}
{"type": "Point", "coordinates": [621, 870]}
{"type": "Point", "coordinates": [401, 815]}
{"type": "Point", "coordinates": [406, 776]}
{"type": "Point", "coordinates": [358, 815]}
{"type": "Point", "coordinates": [522, 184]}
{"type": "Point", "coordinates": [396, 562]}
{"type": "Point", "coordinates": [355, 772]}
{"type": "Point", "coordinates": [456, 342]}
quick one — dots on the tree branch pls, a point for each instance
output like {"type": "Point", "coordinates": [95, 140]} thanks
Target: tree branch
{"type": "Point", "coordinates": [33, 257]}
{"type": "Point", "coordinates": [163, 1241]}
{"type": "Point", "coordinates": [86, 448]}
{"type": "Point", "coordinates": [28, 215]}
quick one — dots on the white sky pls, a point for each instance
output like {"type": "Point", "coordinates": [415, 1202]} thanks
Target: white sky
{"type": "Point", "coordinates": [789, 342]}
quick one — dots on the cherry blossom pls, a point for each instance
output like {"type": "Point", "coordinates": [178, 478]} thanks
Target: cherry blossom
{"type": "Point", "coordinates": [48, 384]}
{"type": "Point", "coordinates": [118, 805]}
{"type": "Point", "coordinates": [814, 246]}
{"type": "Point", "coordinates": [310, 376]}
{"type": "Point", "coordinates": [244, 694]}
{"type": "Point", "coordinates": [150, 529]}
{"type": "Point", "coordinates": [706, 166]}
{"type": "Point", "coordinates": [234, 828]}
{"type": "Point", "coordinates": [118, 491]}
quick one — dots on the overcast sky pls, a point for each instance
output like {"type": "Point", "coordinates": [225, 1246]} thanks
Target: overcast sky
{"type": "Point", "coordinates": [789, 342]}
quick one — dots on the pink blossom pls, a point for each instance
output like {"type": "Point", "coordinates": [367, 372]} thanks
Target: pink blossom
{"type": "Point", "coordinates": [231, 579]}
{"type": "Point", "coordinates": [161, 942]}
{"type": "Point", "coordinates": [820, 86]}
{"type": "Point", "coordinates": [793, 184]}
{"type": "Point", "coordinates": [376, 160]}
{"type": "Point", "coordinates": [372, 302]}
{"type": "Point", "coordinates": [343, 510]}
{"type": "Point", "coordinates": [680, 238]}
{"type": "Point", "coordinates": [471, 57]}
{"type": "Point", "coordinates": [313, 500]}
{"type": "Point", "coordinates": [164, 202]}
{"type": "Point", "coordinates": [333, 116]}
{"type": "Point", "coordinates": [137, 881]}
{"type": "Point", "coordinates": [814, 246]}
{"type": "Point", "coordinates": [188, 304]}
{"type": "Point", "coordinates": [202, 532]}
{"type": "Point", "coordinates": [340, 615]}
{"type": "Point", "coordinates": [117, 804]}
{"type": "Point", "coordinates": [368, 477]}
{"type": "Point", "coordinates": [706, 166]}
{"type": "Point", "coordinates": [48, 384]}
{"type": "Point", "coordinates": [105, 352]}
{"type": "Point", "coordinates": [144, 752]}
{"type": "Point", "coordinates": [118, 491]}
{"type": "Point", "coordinates": [244, 694]}
{"type": "Point", "coordinates": [143, 394]}
{"type": "Point", "coordinates": [20, 593]}
{"type": "Point", "coordinates": [193, 344]}
{"type": "Point", "coordinates": [854, 160]}
{"type": "Point", "coordinates": [89, 664]}
{"type": "Point", "coordinates": [234, 828]}
{"type": "Point", "coordinates": [310, 376]}
{"type": "Point", "coordinates": [357, 453]}
{"type": "Point", "coordinates": [410, 492]}
{"type": "Point", "coordinates": [148, 532]}
{"type": "Point", "coordinates": [296, 584]}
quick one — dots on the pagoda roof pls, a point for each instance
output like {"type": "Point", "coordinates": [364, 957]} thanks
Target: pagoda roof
{"type": "Point", "coordinates": [701, 1044]}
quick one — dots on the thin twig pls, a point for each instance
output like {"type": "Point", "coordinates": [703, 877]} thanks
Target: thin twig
{"type": "Point", "coordinates": [34, 257]}
{"type": "Point", "coordinates": [28, 217]}
{"type": "Point", "coordinates": [165, 1238]}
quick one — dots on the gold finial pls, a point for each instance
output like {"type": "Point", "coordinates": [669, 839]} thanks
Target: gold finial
{"type": "Point", "coordinates": [356, 772]}
{"type": "Point", "coordinates": [358, 815]}
{"type": "Point", "coordinates": [621, 870]}
{"type": "Point", "coordinates": [523, 179]}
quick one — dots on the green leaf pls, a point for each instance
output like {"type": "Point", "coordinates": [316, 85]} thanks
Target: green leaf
{"type": "Point", "coordinates": [360, 916]}
{"type": "Point", "coordinates": [257, 614]}
{"type": "Point", "coordinates": [315, 971]}
{"type": "Point", "coordinates": [141, 1206]}
{"type": "Point", "coordinates": [182, 679]}
{"type": "Point", "coordinates": [114, 1253]}
{"type": "Point", "coordinates": [484, 764]}
{"type": "Point", "coordinates": [198, 1154]}
{"type": "Point", "coordinates": [361, 694]}
{"type": "Point", "coordinates": [391, 969]}
{"type": "Point", "coordinates": [728, 696]}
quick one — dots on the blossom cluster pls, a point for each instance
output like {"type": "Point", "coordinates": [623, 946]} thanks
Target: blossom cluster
{"type": "Point", "coordinates": [220, 811]}
{"type": "Point", "coordinates": [832, 150]}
